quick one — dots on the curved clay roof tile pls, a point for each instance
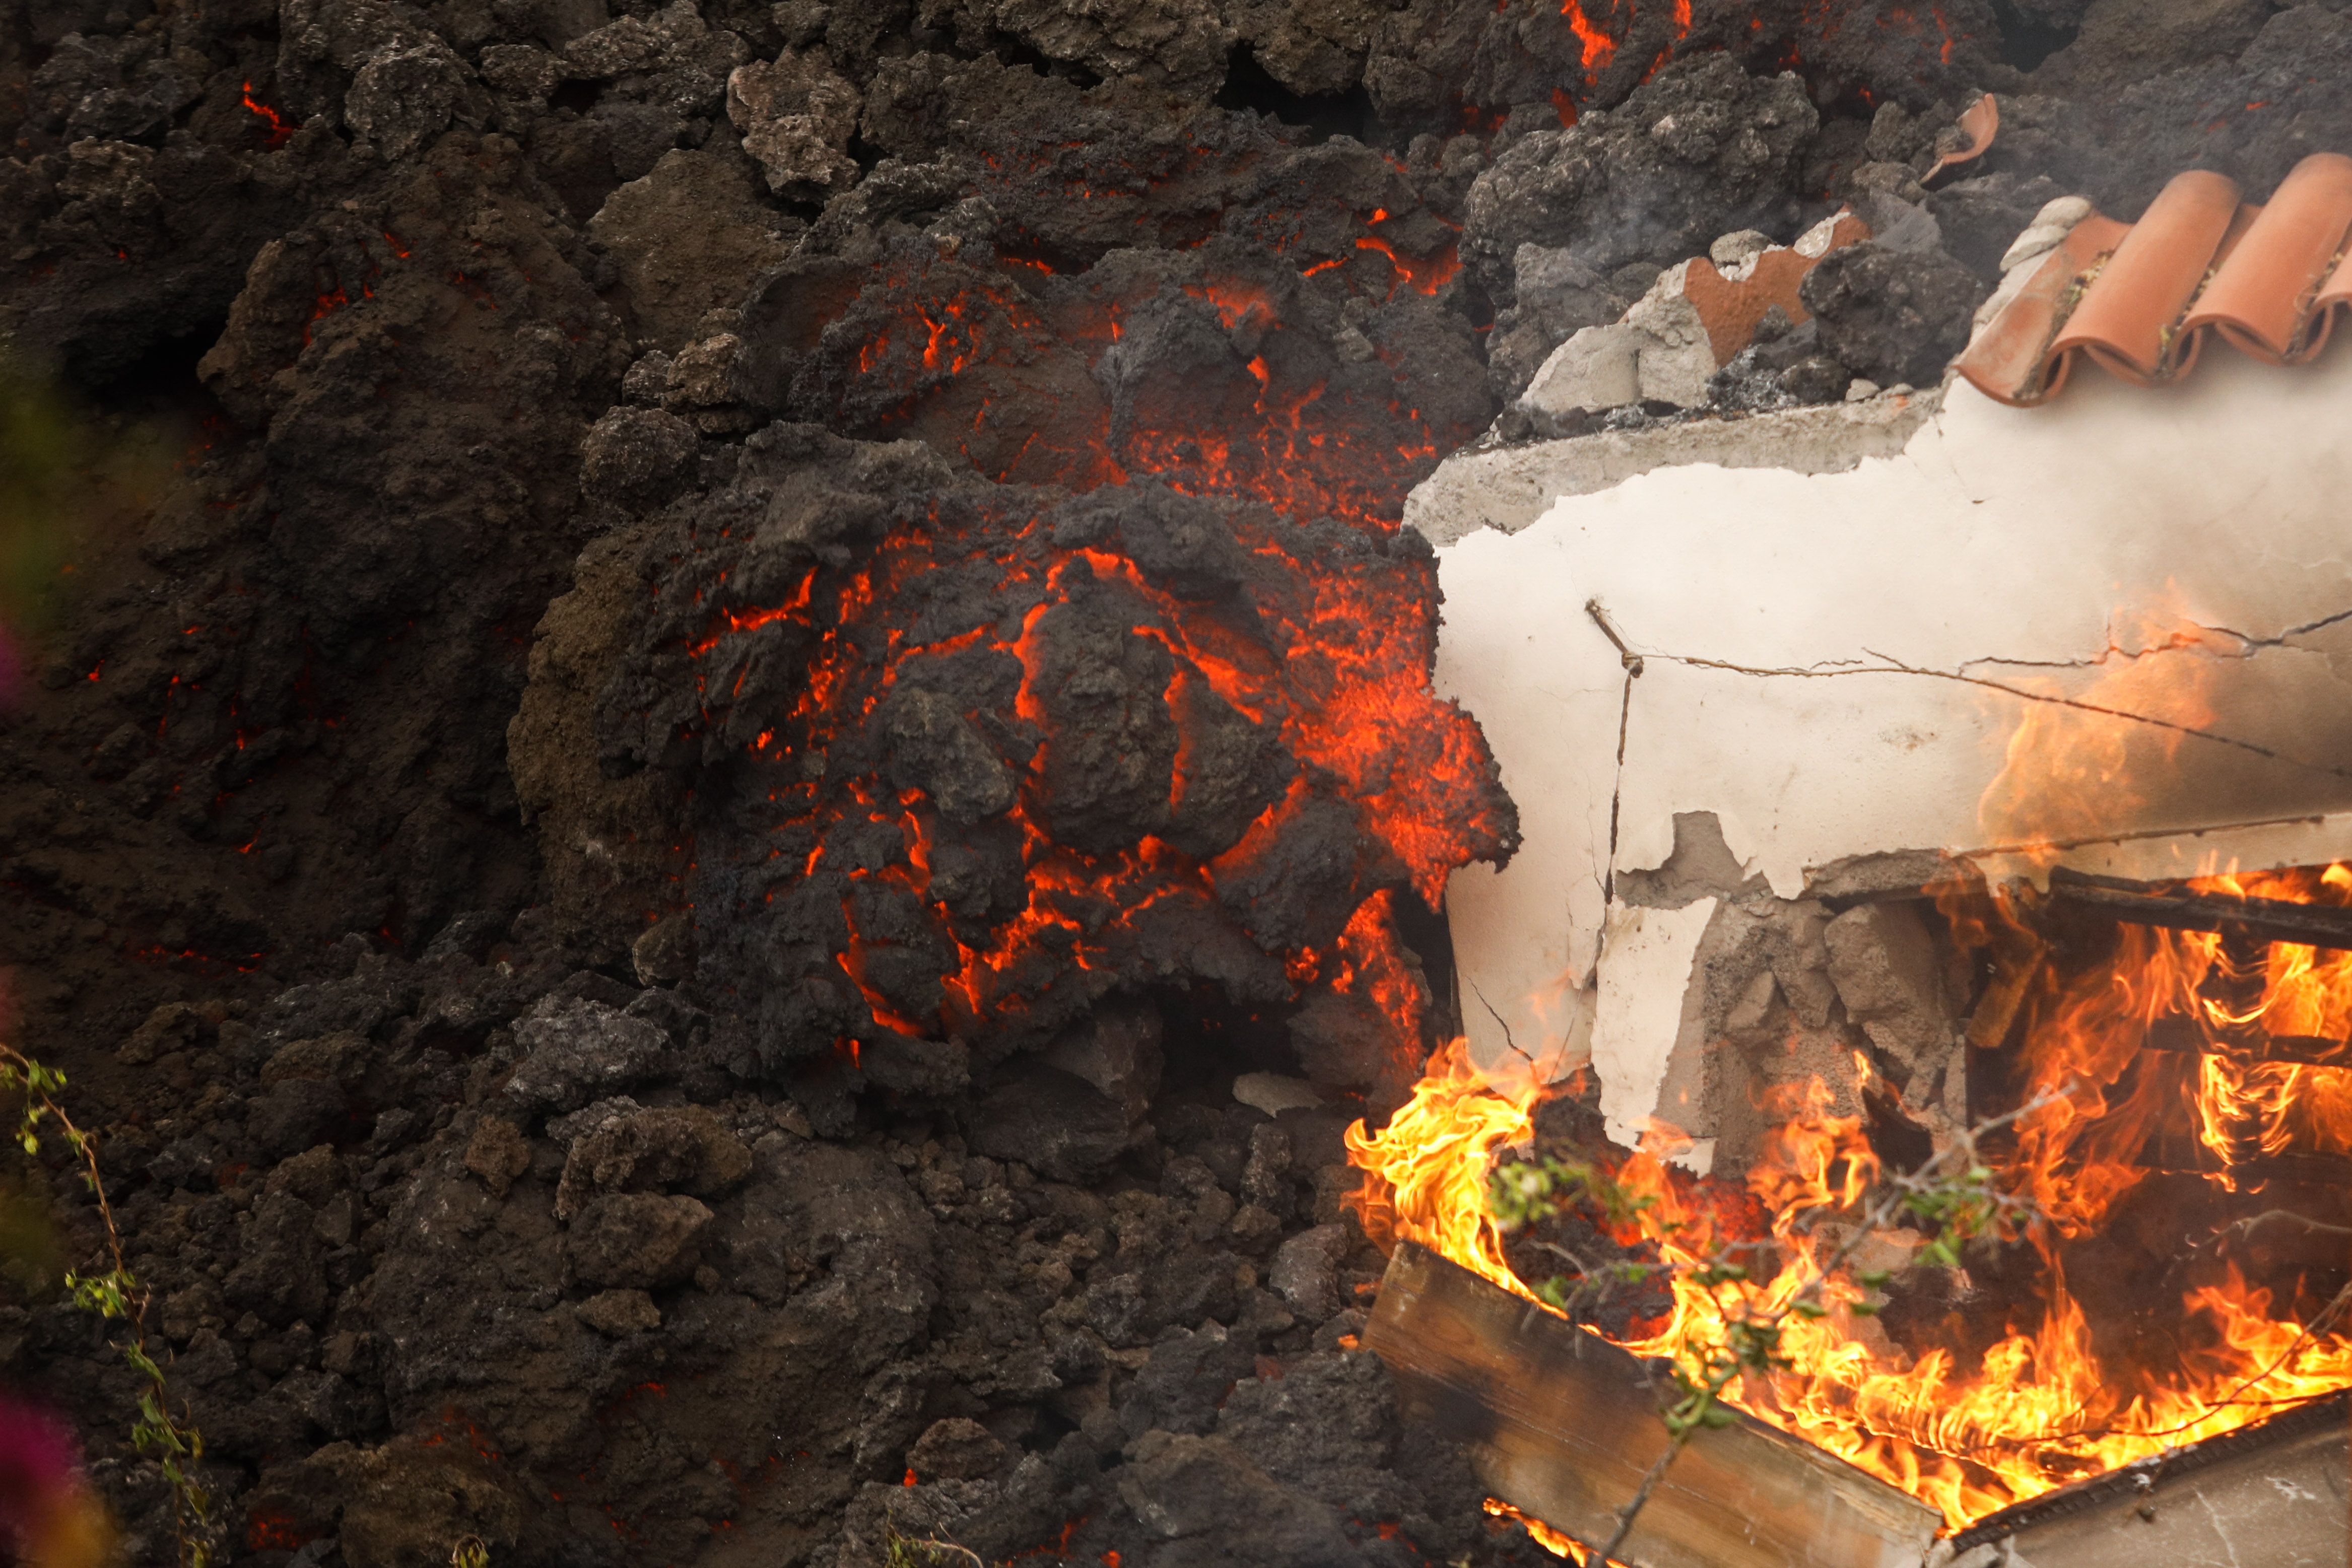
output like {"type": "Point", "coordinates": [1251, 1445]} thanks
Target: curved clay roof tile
{"type": "Point", "coordinates": [2337, 291]}
{"type": "Point", "coordinates": [1978, 125]}
{"type": "Point", "coordinates": [2257, 298]}
{"type": "Point", "coordinates": [2127, 314]}
{"type": "Point", "coordinates": [2010, 359]}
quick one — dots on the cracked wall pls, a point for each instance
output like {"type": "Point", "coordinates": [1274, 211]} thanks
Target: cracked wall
{"type": "Point", "coordinates": [2120, 625]}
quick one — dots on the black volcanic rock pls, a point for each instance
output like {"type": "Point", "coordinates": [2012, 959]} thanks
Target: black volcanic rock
{"type": "Point", "coordinates": [1892, 316]}
{"type": "Point", "coordinates": [1700, 151]}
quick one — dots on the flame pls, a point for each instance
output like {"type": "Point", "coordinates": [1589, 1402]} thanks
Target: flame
{"type": "Point", "coordinates": [1544, 1535]}
{"type": "Point", "coordinates": [1426, 1172]}
{"type": "Point", "coordinates": [2079, 763]}
{"type": "Point", "coordinates": [2043, 1408]}
{"type": "Point", "coordinates": [2051, 1400]}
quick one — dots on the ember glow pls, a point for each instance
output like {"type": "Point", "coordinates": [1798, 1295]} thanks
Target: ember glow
{"type": "Point", "coordinates": [1062, 380]}
{"type": "Point", "coordinates": [1300, 382]}
{"type": "Point", "coordinates": [2211, 1124]}
{"type": "Point", "coordinates": [1082, 721]}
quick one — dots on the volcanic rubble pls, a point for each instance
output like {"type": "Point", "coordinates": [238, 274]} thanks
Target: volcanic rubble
{"type": "Point", "coordinates": [730, 779]}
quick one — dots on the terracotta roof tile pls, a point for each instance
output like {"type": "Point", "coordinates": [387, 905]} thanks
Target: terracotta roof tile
{"type": "Point", "coordinates": [2257, 297]}
{"type": "Point", "coordinates": [1731, 307]}
{"type": "Point", "coordinates": [2139, 300]}
{"type": "Point", "coordinates": [1978, 124]}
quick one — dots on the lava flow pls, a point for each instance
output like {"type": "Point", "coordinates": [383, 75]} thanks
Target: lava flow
{"type": "Point", "coordinates": [1129, 688]}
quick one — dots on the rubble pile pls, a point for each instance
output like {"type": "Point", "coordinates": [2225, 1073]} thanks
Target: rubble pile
{"type": "Point", "coordinates": [731, 778]}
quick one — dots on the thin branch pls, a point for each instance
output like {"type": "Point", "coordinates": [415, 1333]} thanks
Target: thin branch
{"type": "Point", "coordinates": [2248, 1227]}
{"type": "Point", "coordinates": [119, 1295]}
{"type": "Point", "coordinates": [1950, 1184]}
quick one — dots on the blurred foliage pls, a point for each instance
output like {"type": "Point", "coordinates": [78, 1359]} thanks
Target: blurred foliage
{"type": "Point", "coordinates": [32, 1259]}
{"type": "Point", "coordinates": [45, 453]}
{"type": "Point", "coordinates": [64, 472]}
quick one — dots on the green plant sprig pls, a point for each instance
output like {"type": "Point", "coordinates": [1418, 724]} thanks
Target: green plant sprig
{"type": "Point", "coordinates": [1954, 1197]}
{"type": "Point", "coordinates": [115, 1295]}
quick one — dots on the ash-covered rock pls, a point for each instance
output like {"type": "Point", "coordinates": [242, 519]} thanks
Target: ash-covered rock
{"type": "Point", "coordinates": [1701, 149]}
{"type": "Point", "coordinates": [1893, 316]}
{"type": "Point", "coordinates": [591, 1313]}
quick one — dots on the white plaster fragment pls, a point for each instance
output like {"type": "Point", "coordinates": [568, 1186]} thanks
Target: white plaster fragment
{"type": "Point", "coordinates": [1677, 359]}
{"type": "Point", "coordinates": [1659, 350]}
{"type": "Point", "coordinates": [1273, 1093]}
{"type": "Point", "coordinates": [1735, 253]}
{"type": "Point", "coordinates": [1597, 367]}
{"type": "Point", "coordinates": [2052, 224]}
{"type": "Point", "coordinates": [1507, 488]}
{"type": "Point", "coordinates": [1814, 243]}
{"type": "Point", "coordinates": [1645, 978]}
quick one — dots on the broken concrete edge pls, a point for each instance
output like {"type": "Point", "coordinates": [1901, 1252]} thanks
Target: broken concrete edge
{"type": "Point", "coordinates": [2156, 855]}
{"type": "Point", "coordinates": [2281, 1469]}
{"type": "Point", "coordinates": [1507, 488]}
{"type": "Point", "coordinates": [1697, 316]}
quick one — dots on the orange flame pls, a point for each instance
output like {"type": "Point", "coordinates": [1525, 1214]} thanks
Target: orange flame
{"type": "Point", "coordinates": [2042, 1409]}
{"type": "Point", "coordinates": [2049, 1402]}
{"type": "Point", "coordinates": [1544, 1535]}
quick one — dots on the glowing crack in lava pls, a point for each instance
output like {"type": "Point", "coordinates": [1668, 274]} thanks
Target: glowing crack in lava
{"type": "Point", "coordinates": [1011, 751]}
{"type": "Point", "coordinates": [1114, 678]}
{"type": "Point", "coordinates": [2080, 1375]}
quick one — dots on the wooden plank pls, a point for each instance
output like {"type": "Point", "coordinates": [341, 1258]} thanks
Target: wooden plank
{"type": "Point", "coordinates": [2179, 1033]}
{"type": "Point", "coordinates": [2272, 1495]}
{"type": "Point", "coordinates": [2263, 919]}
{"type": "Point", "coordinates": [1561, 1424]}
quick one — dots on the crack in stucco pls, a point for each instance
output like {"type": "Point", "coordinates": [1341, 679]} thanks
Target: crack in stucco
{"type": "Point", "coordinates": [2249, 645]}
{"type": "Point", "coordinates": [1888, 665]}
{"type": "Point", "coordinates": [2221, 1529]}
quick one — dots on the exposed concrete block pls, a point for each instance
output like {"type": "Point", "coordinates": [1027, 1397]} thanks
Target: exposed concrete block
{"type": "Point", "coordinates": [1678, 359]}
{"type": "Point", "coordinates": [1505, 488]}
{"type": "Point", "coordinates": [1884, 967]}
{"type": "Point", "coordinates": [1597, 367]}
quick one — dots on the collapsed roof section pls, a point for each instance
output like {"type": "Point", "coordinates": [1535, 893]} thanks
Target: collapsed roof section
{"type": "Point", "coordinates": [2139, 300]}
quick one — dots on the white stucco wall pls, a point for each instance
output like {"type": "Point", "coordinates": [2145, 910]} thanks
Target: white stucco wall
{"type": "Point", "coordinates": [1886, 621]}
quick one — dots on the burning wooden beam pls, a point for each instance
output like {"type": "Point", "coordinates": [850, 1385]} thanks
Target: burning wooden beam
{"type": "Point", "coordinates": [1561, 1424]}
{"type": "Point", "coordinates": [2262, 919]}
{"type": "Point", "coordinates": [2184, 1034]}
